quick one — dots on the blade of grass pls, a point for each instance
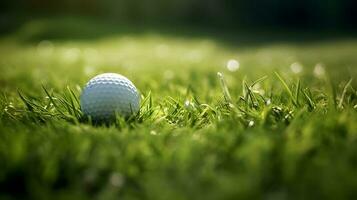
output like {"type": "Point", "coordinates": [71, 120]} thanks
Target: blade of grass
{"type": "Point", "coordinates": [297, 91]}
{"type": "Point", "coordinates": [258, 81]}
{"type": "Point", "coordinates": [53, 102]}
{"type": "Point", "coordinates": [286, 88]}
{"type": "Point", "coordinates": [224, 87]}
{"type": "Point", "coordinates": [344, 93]}
{"type": "Point", "coordinates": [308, 97]}
{"type": "Point", "coordinates": [26, 102]}
{"type": "Point", "coordinates": [73, 95]}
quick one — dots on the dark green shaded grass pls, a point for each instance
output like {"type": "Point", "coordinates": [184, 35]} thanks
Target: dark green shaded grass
{"type": "Point", "coordinates": [220, 161]}
{"type": "Point", "coordinates": [259, 132]}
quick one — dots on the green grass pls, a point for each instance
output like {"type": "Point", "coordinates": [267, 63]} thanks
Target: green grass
{"type": "Point", "coordinates": [203, 132]}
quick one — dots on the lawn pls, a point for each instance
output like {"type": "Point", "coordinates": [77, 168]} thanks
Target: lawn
{"type": "Point", "coordinates": [224, 115]}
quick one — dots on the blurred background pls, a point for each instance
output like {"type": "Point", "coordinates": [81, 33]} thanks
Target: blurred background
{"type": "Point", "coordinates": [232, 14]}
{"type": "Point", "coordinates": [177, 41]}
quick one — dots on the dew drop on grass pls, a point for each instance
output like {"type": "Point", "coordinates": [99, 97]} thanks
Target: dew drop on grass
{"type": "Point", "coordinates": [258, 89]}
{"type": "Point", "coordinates": [71, 55]}
{"type": "Point", "coordinates": [232, 65]}
{"type": "Point", "coordinates": [116, 180]}
{"type": "Point", "coordinates": [296, 68]}
{"type": "Point", "coordinates": [319, 70]}
{"type": "Point", "coordinates": [188, 105]}
{"type": "Point", "coordinates": [268, 102]}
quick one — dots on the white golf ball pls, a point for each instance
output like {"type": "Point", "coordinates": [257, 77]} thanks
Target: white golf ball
{"type": "Point", "coordinates": [109, 94]}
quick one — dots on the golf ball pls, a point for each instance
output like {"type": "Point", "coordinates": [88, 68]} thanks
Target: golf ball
{"type": "Point", "coordinates": [109, 94]}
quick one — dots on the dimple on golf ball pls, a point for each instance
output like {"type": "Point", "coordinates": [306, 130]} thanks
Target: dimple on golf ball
{"type": "Point", "coordinates": [109, 94]}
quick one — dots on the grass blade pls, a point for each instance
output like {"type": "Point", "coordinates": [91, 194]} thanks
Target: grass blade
{"type": "Point", "coordinates": [53, 102]}
{"type": "Point", "coordinates": [344, 93]}
{"type": "Point", "coordinates": [224, 87]}
{"type": "Point", "coordinates": [26, 102]}
{"type": "Point", "coordinates": [286, 88]}
{"type": "Point", "coordinates": [297, 91]}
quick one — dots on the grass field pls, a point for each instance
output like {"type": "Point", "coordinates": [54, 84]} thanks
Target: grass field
{"type": "Point", "coordinates": [223, 115]}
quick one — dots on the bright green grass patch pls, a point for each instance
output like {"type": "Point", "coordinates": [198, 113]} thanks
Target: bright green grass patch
{"type": "Point", "coordinates": [283, 125]}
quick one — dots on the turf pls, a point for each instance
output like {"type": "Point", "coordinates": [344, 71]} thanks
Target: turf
{"type": "Point", "coordinates": [282, 126]}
